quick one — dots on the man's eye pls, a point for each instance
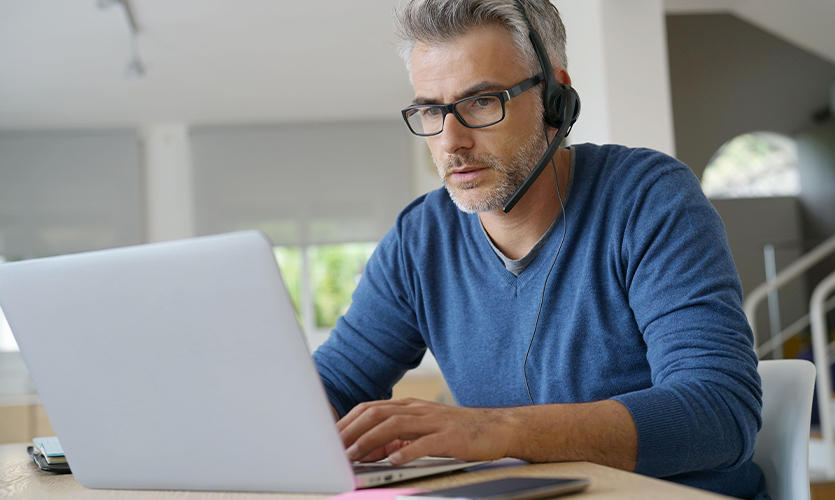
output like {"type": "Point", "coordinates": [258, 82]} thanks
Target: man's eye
{"type": "Point", "coordinates": [430, 112]}
{"type": "Point", "coordinates": [483, 102]}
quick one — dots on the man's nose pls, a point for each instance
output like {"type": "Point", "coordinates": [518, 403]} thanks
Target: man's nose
{"type": "Point", "coordinates": [455, 136]}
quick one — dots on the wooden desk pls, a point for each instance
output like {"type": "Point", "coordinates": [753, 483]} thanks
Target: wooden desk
{"type": "Point", "coordinates": [20, 478]}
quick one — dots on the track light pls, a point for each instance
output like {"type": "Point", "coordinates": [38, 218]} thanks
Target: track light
{"type": "Point", "coordinates": [135, 70]}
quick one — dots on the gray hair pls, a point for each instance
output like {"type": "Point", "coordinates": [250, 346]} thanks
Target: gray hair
{"type": "Point", "coordinates": [435, 22]}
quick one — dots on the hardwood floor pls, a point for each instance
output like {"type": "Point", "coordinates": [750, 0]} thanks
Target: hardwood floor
{"type": "Point", "coordinates": [823, 491]}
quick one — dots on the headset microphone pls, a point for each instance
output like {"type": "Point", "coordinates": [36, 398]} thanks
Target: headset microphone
{"type": "Point", "coordinates": [562, 107]}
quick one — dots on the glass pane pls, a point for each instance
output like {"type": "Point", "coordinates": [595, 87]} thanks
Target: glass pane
{"type": "Point", "coordinates": [7, 341]}
{"type": "Point", "coordinates": [759, 164]}
{"type": "Point", "coordinates": [290, 263]}
{"type": "Point", "coordinates": [335, 273]}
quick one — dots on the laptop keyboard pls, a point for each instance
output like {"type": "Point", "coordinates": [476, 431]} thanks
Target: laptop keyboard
{"type": "Point", "coordinates": [416, 464]}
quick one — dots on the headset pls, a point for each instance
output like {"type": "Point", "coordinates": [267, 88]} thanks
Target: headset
{"type": "Point", "coordinates": [562, 107]}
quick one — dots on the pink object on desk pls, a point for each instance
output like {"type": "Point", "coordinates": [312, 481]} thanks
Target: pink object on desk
{"type": "Point", "coordinates": [376, 494]}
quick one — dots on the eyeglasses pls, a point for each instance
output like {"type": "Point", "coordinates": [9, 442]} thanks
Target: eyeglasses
{"type": "Point", "coordinates": [476, 111]}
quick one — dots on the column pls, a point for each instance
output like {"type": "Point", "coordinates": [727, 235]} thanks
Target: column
{"type": "Point", "coordinates": [169, 205]}
{"type": "Point", "coordinates": [617, 59]}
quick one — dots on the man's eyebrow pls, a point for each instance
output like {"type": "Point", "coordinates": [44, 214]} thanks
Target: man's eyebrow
{"type": "Point", "coordinates": [479, 88]}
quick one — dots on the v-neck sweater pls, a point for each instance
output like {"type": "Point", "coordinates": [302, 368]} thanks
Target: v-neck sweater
{"type": "Point", "coordinates": [516, 266]}
{"type": "Point", "coordinates": [644, 306]}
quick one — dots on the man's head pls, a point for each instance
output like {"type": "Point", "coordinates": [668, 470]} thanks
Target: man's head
{"type": "Point", "coordinates": [434, 22]}
{"type": "Point", "coordinates": [460, 48]}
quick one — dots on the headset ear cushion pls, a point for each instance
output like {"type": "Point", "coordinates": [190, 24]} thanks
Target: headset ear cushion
{"type": "Point", "coordinates": [554, 114]}
{"type": "Point", "coordinates": [573, 97]}
{"type": "Point", "coordinates": [556, 109]}
{"type": "Point", "coordinates": [559, 101]}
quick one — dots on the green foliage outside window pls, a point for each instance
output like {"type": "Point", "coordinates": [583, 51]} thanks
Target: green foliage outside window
{"type": "Point", "coordinates": [335, 273]}
{"type": "Point", "coordinates": [290, 262]}
{"type": "Point", "coordinates": [757, 164]}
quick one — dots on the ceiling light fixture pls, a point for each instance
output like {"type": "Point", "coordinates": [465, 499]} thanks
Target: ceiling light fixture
{"type": "Point", "coordinates": [135, 70]}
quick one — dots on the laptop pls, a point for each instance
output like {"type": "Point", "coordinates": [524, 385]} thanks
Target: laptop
{"type": "Point", "coordinates": [181, 365]}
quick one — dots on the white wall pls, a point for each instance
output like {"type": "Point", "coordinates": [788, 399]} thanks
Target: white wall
{"type": "Point", "coordinates": [729, 77]}
{"type": "Point", "coordinates": [617, 59]}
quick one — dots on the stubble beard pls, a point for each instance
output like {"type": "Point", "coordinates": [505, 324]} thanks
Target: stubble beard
{"type": "Point", "coordinates": [511, 174]}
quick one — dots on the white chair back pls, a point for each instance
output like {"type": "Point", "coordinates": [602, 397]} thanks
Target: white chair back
{"type": "Point", "coordinates": [782, 447]}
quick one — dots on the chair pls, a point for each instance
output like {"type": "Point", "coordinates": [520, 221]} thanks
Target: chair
{"type": "Point", "coordinates": [782, 447]}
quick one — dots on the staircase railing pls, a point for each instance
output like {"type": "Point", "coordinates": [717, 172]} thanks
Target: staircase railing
{"type": "Point", "coordinates": [820, 348]}
{"type": "Point", "coordinates": [787, 275]}
{"type": "Point", "coordinates": [822, 452]}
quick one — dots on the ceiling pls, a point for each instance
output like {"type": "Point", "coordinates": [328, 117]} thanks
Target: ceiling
{"type": "Point", "coordinates": [62, 62]}
{"type": "Point", "coordinates": [808, 24]}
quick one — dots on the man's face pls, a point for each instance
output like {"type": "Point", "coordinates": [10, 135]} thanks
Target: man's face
{"type": "Point", "coordinates": [480, 168]}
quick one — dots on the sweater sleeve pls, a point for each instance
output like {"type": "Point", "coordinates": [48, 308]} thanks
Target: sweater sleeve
{"type": "Point", "coordinates": [378, 339]}
{"type": "Point", "coordinates": [703, 409]}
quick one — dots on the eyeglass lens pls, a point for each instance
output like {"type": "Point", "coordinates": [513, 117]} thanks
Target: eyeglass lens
{"type": "Point", "coordinates": [475, 111]}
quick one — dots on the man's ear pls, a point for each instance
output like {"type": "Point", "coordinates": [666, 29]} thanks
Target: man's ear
{"type": "Point", "coordinates": [562, 76]}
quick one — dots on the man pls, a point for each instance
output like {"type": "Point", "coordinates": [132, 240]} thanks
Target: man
{"type": "Point", "coordinates": [631, 352]}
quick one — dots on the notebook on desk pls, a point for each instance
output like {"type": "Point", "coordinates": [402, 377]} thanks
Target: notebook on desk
{"type": "Point", "coordinates": [180, 365]}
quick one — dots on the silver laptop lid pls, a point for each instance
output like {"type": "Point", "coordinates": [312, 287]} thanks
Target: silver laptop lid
{"type": "Point", "coordinates": [176, 365]}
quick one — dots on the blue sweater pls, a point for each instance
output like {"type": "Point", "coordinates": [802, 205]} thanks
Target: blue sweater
{"type": "Point", "coordinates": [643, 306]}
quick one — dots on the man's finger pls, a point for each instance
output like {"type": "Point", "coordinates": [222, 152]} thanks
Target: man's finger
{"type": "Point", "coordinates": [362, 407]}
{"type": "Point", "coordinates": [398, 426]}
{"type": "Point", "coordinates": [435, 445]}
{"type": "Point", "coordinates": [385, 451]}
{"type": "Point", "coordinates": [371, 416]}
{"type": "Point", "coordinates": [378, 454]}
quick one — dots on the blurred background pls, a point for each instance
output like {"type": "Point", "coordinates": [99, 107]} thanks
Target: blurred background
{"type": "Point", "coordinates": [135, 121]}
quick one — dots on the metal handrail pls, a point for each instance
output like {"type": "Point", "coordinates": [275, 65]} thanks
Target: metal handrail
{"type": "Point", "coordinates": [790, 331]}
{"type": "Point", "coordinates": [825, 448]}
{"type": "Point", "coordinates": [820, 347]}
{"type": "Point", "coordinates": [784, 277]}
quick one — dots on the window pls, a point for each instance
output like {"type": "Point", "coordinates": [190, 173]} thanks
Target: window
{"type": "Point", "coordinates": [292, 265]}
{"type": "Point", "coordinates": [65, 192]}
{"type": "Point", "coordinates": [7, 341]}
{"type": "Point", "coordinates": [759, 164]}
{"type": "Point", "coordinates": [323, 193]}
{"type": "Point", "coordinates": [335, 271]}
{"type": "Point", "coordinates": [321, 280]}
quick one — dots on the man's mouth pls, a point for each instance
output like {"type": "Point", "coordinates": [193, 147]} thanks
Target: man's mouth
{"type": "Point", "coordinates": [466, 174]}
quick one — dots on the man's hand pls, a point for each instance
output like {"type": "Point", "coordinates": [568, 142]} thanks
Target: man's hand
{"type": "Point", "coordinates": [407, 429]}
{"type": "Point", "coordinates": [602, 432]}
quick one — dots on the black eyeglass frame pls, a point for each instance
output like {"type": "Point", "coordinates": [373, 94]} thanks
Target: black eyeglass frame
{"type": "Point", "coordinates": [503, 96]}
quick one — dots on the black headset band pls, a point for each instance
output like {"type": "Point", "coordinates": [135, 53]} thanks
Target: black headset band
{"type": "Point", "coordinates": [538, 46]}
{"type": "Point", "coordinates": [560, 104]}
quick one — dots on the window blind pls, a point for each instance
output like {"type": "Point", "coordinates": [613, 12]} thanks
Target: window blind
{"type": "Point", "coordinates": [302, 184]}
{"type": "Point", "coordinates": [65, 192]}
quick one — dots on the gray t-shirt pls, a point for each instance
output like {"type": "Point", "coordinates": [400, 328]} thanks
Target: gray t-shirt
{"type": "Point", "coordinates": [517, 266]}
